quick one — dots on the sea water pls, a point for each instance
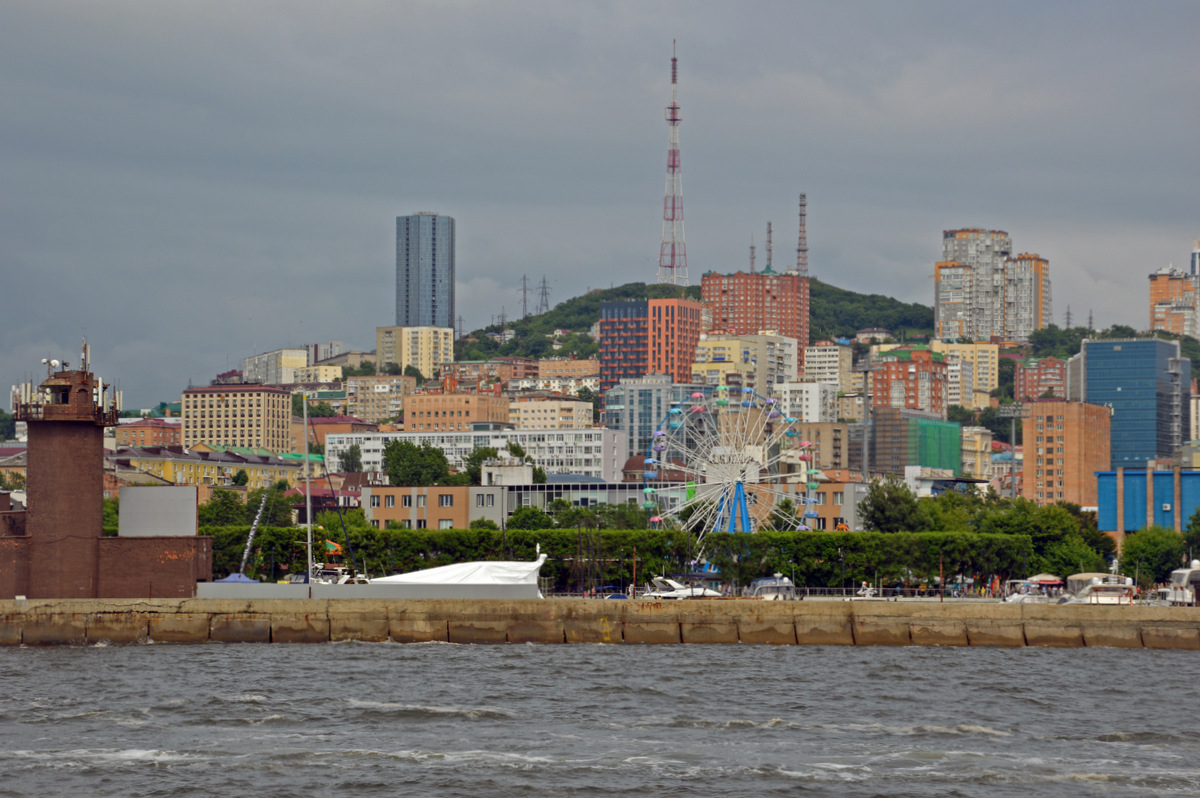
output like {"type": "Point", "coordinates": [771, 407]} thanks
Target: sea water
{"type": "Point", "coordinates": [360, 719]}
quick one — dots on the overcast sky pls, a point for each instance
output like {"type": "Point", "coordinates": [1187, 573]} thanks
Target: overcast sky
{"type": "Point", "coordinates": [190, 183]}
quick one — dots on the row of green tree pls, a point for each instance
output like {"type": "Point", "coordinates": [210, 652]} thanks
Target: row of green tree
{"type": "Point", "coordinates": [580, 559]}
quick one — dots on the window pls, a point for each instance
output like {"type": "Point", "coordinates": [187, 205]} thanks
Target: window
{"type": "Point", "coordinates": [445, 500]}
{"type": "Point", "coordinates": [406, 501]}
{"type": "Point", "coordinates": [479, 500]}
{"type": "Point", "coordinates": [374, 501]}
{"type": "Point", "coordinates": [445, 523]}
{"type": "Point", "coordinates": [421, 500]}
{"type": "Point", "coordinates": [421, 524]}
{"type": "Point", "coordinates": [389, 501]}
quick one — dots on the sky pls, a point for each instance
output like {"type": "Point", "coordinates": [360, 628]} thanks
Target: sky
{"type": "Point", "coordinates": [187, 184]}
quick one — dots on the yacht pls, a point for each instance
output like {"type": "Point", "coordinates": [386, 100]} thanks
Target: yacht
{"type": "Point", "coordinates": [664, 588]}
{"type": "Point", "coordinates": [1181, 592]}
{"type": "Point", "coordinates": [1099, 588]}
{"type": "Point", "coordinates": [776, 587]}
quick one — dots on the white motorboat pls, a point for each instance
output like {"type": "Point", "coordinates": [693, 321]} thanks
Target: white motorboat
{"type": "Point", "coordinates": [1099, 588]}
{"type": "Point", "coordinates": [665, 588]}
{"type": "Point", "coordinates": [771, 588]}
{"type": "Point", "coordinates": [1181, 592]}
{"type": "Point", "coordinates": [1040, 589]}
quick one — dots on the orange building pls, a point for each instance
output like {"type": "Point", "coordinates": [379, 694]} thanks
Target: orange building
{"type": "Point", "coordinates": [148, 432]}
{"type": "Point", "coordinates": [417, 508]}
{"type": "Point", "coordinates": [674, 332]}
{"type": "Point", "coordinates": [452, 412]}
{"type": "Point", "coordinates": [1066, 443]}
{"type": "Point", "coordinates": [744, 304]}
{"type": "Point", "coordinates": [912, 378]}
{"type": "Point", "coordinates": [1173, 302]}
{"type": "Point", "coordinates": [656, 336]}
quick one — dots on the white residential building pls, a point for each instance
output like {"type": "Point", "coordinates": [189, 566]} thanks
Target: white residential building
{"type": "Point", "coordinates": [811, 402]}
{"type": "Point", "coordinates": [586, 452]}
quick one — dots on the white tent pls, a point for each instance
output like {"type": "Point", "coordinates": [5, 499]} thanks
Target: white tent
{"type": "Point", "coordinates": [470, 573]}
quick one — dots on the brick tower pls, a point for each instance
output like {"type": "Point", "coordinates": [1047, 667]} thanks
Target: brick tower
{"type": "Point", "coordinates": [66, 417]}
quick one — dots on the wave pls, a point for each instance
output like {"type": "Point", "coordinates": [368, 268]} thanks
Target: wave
{"type": "Point", "coordinates": [427, 712]}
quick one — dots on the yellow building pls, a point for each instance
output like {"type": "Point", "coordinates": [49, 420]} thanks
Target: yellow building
{"type": "Point", "coordinates": [760, 361]}
{"type": "Point", "coordinates": [985, 363]}
{"type": "Point", "coordinates": [379, 397]}
{"type": "Point", "coordinates": [977, 452]}
{"type": "Point", "coordinates": [237, 415]}
{"type": "Point", "coordinates": [319, 374]}
{"type": "Point", "coordinates": [425, 348]}
{"type": "Point", "coordinates": [205, 466]}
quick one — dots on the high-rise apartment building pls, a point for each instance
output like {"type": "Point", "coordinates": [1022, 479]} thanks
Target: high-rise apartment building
{"type": "Point", "coordinates": [1146, 384]}
{"type": "Point", "coordinates": [985, 368]}
{"type": "Point", "coordinates": [1065, 443]}
{"type": "Point", "coordinates": [830, 363]}
{"type": "Point", "coordinates": [425, 270]}
{"type": "Point", "coordinates": [743, 304]}
{"type": "Point", "coordinates": [982, 291]}
{"type": "Point", "coordinates": [640, 337]}
{"type": "Point", "coordinates": [424, 348]}
{"type": "Point", "coordinates": [1027, 301]}
{"type": "Point", "coordinates": [253, 416]}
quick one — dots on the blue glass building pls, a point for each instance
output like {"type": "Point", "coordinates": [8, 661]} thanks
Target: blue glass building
{"type": "Point", "coordinates": [1147, 383]}
{"type": "Point", "coordinates": [425, 270]}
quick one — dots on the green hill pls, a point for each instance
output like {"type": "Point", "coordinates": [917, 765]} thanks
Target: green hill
{"type": "Point", "coordinates": [835, 312]}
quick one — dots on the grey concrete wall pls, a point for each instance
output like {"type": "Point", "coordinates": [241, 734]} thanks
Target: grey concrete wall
{"type": "Point", "coordinates": [75, 621]}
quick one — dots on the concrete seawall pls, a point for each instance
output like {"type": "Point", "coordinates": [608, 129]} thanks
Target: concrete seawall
{"type": "Point", "coordinates": [79, 622]}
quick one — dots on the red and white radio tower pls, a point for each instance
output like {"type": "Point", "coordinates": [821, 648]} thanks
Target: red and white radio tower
{"type": "Point", "coordinates": [672, 256]}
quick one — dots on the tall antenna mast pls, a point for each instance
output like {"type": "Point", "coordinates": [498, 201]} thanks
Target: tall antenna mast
{"type": "Point", "coordinates": [1068, 317]}
{"type": "Point", "coordinates": [672, 255]}
{"type": "Point", "coordinates": [770, 247]}
{"type": "Point", "coordinates": [802, 246]}
{"type": "Point", "coordinates": [752, 253]}
{"type": "Point", "coordinates": [524, 296]}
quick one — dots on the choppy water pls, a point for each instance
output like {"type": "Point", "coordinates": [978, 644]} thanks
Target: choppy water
{"type": "Point", "coordinates": [387, 719]}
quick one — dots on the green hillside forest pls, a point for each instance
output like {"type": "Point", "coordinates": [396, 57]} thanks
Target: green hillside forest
{"type": "Point", "coordinates": [836, 312]}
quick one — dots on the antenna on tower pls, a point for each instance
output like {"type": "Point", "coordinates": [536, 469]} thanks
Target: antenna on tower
{"type": "Point", "coordinates": [672, 254]}
{"type": "Point", "coordinates": [752, 253]}
{"type": "Point", "coordinates": [524, 296]}
{"type": "Point", "coordinates": [770, 247]}
{"type": "Point", "coordinates": [802, 246]}
{"type": "Point", "coordinates": [543, 296]}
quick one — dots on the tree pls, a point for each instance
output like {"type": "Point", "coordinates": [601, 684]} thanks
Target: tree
{"type": "Point", "coordinates": [588, 395]}
{"type": "Point", "coordinates": [409, 465]}
{"type": "Point", "coordinates": [8, 426]}
{"type": "Point", "coordinates": [112, 513]}
{"type": "Point", "coordinates": [241, 478]}
{"type": "Point", "coordinates": [962, 415]}
{"type": "Point", "coordinates": [278, 508]}
{"type": "Point", "coordinates": [315, 409]}
{"type": "Point", "coordinates": [890, 506]}
{"type": "Point", "coordinates": [530, 518]}
{"type": "Point", "coordinates": [412, 371]}
{"type": "Point", "coordinates": [475, 461]}
{"type": "Point", "coordinates": [223, 508]}
{"type": "Point", "coordinates": [392, 368]}
{"type": "Point", "coordinates": [484, 524]}
{"type": "Point", "coordinates": [539, 475]}
{"type": "Point", "coordinates": [1191, 535]}
{"type": "Point", "coordinates": [350, 461]}
{"type": "Point", "coordinates": [1152, 552]}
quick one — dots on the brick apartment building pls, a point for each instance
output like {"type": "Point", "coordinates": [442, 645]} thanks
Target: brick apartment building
{"type": "Point", "coordinates": [743, 304]}
{"type": "Point", "coordinates": [1066, 443]}
{"type": "Point", "coordinates": [453, 412]}
{"type": "Point", "coordinates": [1036, 376]}
{"type": "Point", "coordinates": [148, 432]}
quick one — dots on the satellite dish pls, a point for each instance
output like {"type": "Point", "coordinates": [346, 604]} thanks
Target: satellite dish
{"type": "Point", "coordinates": [54, 363]}
{"type": "Point", "coordinates": [45, 361]}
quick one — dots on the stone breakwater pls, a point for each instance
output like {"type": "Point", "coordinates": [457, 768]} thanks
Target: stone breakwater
{"type": "Point", "coordinates": [863, 623]}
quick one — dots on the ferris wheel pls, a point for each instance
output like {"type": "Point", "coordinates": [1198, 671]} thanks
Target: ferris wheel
{"type": "Point", "coordinates": [742, 463]}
